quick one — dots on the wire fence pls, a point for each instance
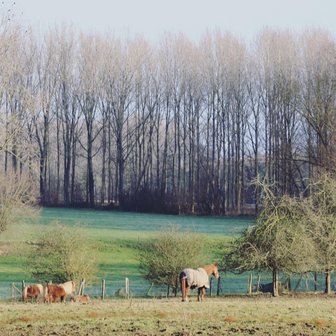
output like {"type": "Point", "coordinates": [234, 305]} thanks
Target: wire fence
{"type": "Point", "coordinates": [227, 284]}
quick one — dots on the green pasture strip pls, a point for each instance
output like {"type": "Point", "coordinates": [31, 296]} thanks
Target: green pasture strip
{"type": "Point", "coordinates": [12, 268]}
{"type": "Point", "coordinates": [112, 236]}
{"type": "Point", "coordinates": [144, 222]}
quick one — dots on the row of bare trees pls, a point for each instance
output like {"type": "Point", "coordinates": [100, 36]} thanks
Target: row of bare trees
{"type": "Point", "coordinates": [177, 126]}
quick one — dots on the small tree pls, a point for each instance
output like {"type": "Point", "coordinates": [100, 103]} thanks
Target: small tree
{"type": "Point", "coordinates": [321, 221]}
{"type": "Point", "coordinates": [278, 242]}
{"type": "Point", "coordinates": [162, 259]}
{"type": "Point", "coordinates": [62, 254]}
{"type": "Point", "coordinates": [17, 198]}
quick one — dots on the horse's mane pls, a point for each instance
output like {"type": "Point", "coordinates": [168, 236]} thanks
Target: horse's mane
{"type": "Point", "coordinates": [210, 268]}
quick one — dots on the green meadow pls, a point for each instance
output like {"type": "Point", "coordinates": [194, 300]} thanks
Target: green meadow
{"type": "Point", "coordinates": [113, 237]}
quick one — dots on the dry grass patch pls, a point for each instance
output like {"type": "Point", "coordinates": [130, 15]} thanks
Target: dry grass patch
{"type": "Point", "coordinates": [93, 314]}
{"type": "Point", "coordinates": [230, 319]}
{"type": "Point", "coordinates": [26, 319]}
{"type": "Point", "coordinates": [162, 314]}
{"type": "Point", "coordinates": [216, 316]}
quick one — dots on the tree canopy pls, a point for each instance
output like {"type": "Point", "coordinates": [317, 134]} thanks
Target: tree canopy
{"type": "Point", "coordinates": [163, 258]}
{"type": "Point", "coordinates": [61, 253]}
{"type": "Point", "coordinates": [291, 234]}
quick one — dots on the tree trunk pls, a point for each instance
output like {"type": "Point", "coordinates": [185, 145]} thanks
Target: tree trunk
{"type": "Point", "coordinates": [121, 170]}
{"type": "Point", "coordinates": [90, 173]}
{"type": "Point", "coordinates": [275, 282]}
{"type": "Point", "coordinates": [328, 281]}
{"type": "Point", "coordinates": [103, 171]}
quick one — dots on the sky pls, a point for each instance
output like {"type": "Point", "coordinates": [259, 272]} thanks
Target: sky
{"type": "Point", "coordinates": [153, 18]}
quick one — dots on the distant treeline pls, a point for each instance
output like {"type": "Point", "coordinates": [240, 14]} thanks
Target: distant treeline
{"type": "Point", "coordinates": [176, 126]}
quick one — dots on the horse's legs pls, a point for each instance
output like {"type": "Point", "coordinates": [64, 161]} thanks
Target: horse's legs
{"type": "Point", "coordinates": [184, 289]}
{"type": "Point", "coordinates": [186, 295]}
{"type": "Point", "coordinates": [201, 292]}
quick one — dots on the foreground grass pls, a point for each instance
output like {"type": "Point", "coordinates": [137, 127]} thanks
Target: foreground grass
{"type": "Point", "coordinates": [306, 315]}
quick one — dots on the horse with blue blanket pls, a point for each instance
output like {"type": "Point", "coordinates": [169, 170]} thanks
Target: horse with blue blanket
{"type": "Point", "coordinates": [197, 278]}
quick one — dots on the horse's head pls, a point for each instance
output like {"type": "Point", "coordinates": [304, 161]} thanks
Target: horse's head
{"type": "Point", "coordinates": [212, 270]}
{"type": "Point", "coordinates": [215, 272]}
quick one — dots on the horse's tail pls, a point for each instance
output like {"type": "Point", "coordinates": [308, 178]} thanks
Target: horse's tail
{"type": "Point", "coordinates": [183, 280]}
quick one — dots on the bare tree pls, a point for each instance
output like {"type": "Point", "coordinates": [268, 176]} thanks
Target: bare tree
{"type": "Point", "coordinates": [88, 95]}
{"type": "Point", "coordinates": [67, 109]}
{"type": "Point", "coordinates": [17, 198]}
{"type": "Point", "coordinates": [122, 62]}
{"type": "Point", "coordinates": [279, 241]}
{"type": "Point", "coordinates": [321, 221]}
{"type": "Point", "coordinates": [319, 101]}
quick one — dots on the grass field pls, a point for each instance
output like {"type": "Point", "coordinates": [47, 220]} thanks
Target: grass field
{"type": "Point", "coordinates": [114, 236]}
{"type": "Point", "coordinates": [255, 315]}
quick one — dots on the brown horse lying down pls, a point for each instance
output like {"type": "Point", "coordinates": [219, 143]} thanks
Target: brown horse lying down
{"type": "Point", "coordinates": [34, 291]}
{"type": "Point", "coordinates": [81, 299]}
{"type": "Point", "coordinates": [54, 293]}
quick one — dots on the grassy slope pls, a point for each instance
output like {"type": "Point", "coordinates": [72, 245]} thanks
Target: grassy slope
{"type": "Point", "coordinates": [224, 316]}
{"type": "Point", "coordinates": [112, 235]}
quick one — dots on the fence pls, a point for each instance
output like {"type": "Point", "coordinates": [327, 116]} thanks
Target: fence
{"type": "Point", "coordinates": [227, 284]}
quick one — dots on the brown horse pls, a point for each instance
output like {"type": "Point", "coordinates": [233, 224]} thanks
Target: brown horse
{"type": "Point", "coordinates": [34, 291]}
{"type": "Point", "coordinates": [81, 299]}
{"type": "Point", "coordinates": [54, 293]}
{"type": "Point", "coordinates": [191, 278]}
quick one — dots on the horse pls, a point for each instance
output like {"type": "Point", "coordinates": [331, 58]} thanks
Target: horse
{"type": "Point", "coordinates": [54, 293]}
{"type": "Point", "coordinates": [69, 287]}
{"type": "Point", "coordinates": [81, 299]}
{"type": "Point", "coordinates": [34, 291]}
{"type": "Point", "coordinates": [199, 278]}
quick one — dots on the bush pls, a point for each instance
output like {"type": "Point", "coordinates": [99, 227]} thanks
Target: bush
{"type": "Point", "coordinates": [163, 258]}
{"type": "Point", "coordinates": [61, 253]}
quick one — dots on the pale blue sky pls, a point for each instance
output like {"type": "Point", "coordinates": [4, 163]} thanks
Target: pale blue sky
{"type": "Point", "coordinates": [152, 18]}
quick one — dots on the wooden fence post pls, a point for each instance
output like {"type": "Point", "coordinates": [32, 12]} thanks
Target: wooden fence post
{"type": "Point", "coordinates": [219, 287]}
{"type": "Point", "coordinates": [81, 287]}
{"type": "Point", "coordinates": [103, 289]}
{"type": "Point", "coordinates": [13, 292]}
{"type": "Point", "coordinates": [127, 287]}
{"type": "Point", "coordinates": [23, 285]}
{"type": "Point", "coordinates": [249, 286]}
